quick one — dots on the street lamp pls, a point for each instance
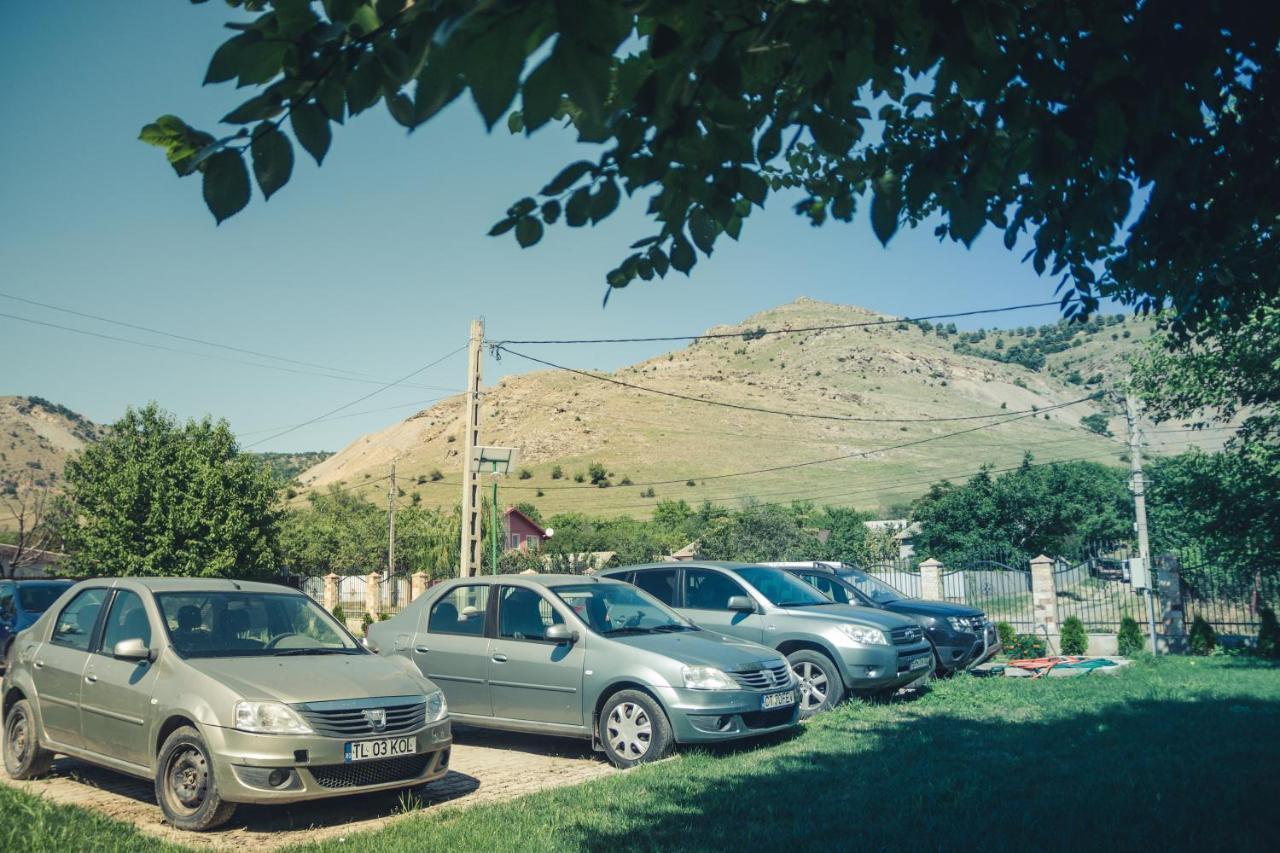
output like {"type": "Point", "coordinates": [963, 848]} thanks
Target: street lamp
{"type": "Point", "coordinates": [498, 461]}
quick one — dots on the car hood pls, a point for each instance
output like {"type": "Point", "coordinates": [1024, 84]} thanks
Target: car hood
{"type": "Point", "coordinates": [936, 609]}
{"type": "Point", "coordinates": [872, 616]}
{"type": "Point", "coordinates": [702, 648]}
{"type": "Point", "coordinates": [311, 679]}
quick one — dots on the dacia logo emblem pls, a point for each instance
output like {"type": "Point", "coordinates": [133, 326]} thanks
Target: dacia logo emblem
{"type": "Point", "coordinates": [377, 718]}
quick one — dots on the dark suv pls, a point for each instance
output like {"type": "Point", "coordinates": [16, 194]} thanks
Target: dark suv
{"type": "Point", "coordinates": [21, 603]}
{"type": "Point", "coordinates": [962, 636]}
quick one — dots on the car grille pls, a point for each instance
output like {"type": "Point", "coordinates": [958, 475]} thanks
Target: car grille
{"type": "Point", "coordinates": [352, 722]}
{"type": "Point", "coordinates": [765, 678]}
{"type": "Point", "coordinates": [907, 636]}
{"type": "Point", "coordinates": [362, 774]}
{"type": "Point", "coordinates": [768, 719]}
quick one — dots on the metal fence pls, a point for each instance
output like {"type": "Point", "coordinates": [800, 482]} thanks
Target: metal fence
{"type": "Point", "coordinates": [1001, 588]}
{"type": "Point", "coordinates": [352, 590]}
{"type": "Point", "coordinates": [1222, 595]}
{"type": "Point", "coordinates": [901, 573]}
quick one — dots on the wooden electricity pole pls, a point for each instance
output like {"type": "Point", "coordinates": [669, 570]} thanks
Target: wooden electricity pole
{"type": "Point", "coordinates": [470, 563]}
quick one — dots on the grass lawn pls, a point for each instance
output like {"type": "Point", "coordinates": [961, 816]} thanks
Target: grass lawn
{"type": "Point", "coordinates": [1176, 753]}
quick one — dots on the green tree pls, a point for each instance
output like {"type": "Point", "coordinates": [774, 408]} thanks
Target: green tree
{"type": "Point", "coordinates": [156, 497]}
{"type": "Point", "coordinates": [1096, 422]}
{"type": "Point", "coordinates": [1037, 118]}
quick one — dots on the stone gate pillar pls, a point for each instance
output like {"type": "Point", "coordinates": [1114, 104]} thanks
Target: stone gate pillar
{"type": "Point", "coordinates": [1044, 598]}
{"type": "Point", "coordinates": [373, 595]}
{"type": "Point", "coordinates": [931, 580]}
{"type": "Point", "coordinates": [330, 599]}
{"type": "Point", "coordinates": [418, 585]}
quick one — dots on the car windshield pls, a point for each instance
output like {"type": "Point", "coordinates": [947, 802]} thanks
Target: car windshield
{"type": "Point", "coordinates": [782, 588]}
{"type": "Point", "coordinates": [210, 624]}
{"type": "Point", "coordinates": [872, 587]}
{"type": "Point", "coordinates": [616, 608]}
{"type": "Point", "coordinates": [36, 597]}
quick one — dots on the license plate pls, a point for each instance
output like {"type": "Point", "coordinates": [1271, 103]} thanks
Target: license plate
{"type": "Point", "coordinates": [366, 750]}
{"type": "Point", "coordinates": [920, 663]}
{"type": "Point", "coordinates": [778, 700]}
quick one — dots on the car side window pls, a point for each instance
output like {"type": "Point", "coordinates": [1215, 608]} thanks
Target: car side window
{"type": "Point", "coordinates": [708, 590]}
{"type": "Point", "coordinates": [461, 610]}
{"type": "Point", "coordinates": [8, 610]}
{"type": "Point", "coordinates": [660, 583]}
{"type": "Point", "coordinates": [827, 587]}
{"type": "Point", "coordinates": [523, 614]}
{"type": "Point", "coordinates": [75, 624]}
{"type": "Point", "coordinates": [126, 621]}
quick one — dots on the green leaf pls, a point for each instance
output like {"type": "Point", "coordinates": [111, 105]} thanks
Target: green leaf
{"type": "Point", "coordinates": [831, 134]}
{"type": "Point", "coordinates": [528, 231]}
{"type": "Point", "coordinates": [295, 16]}
{"type": "Point", "coordinates": [341, 11]}
{"type": "Point", "coordinates": [515, 122]}
{"type": "Point", "coordinates": [258, 108]}
{"type": "Point", "coordinates": [259, 62]}
{"type": "Point", "coordinates": [493, 64]}
{"type": "Point", "coordinates": [886, 203]}
{"type": "Point", "coordinates": [439, 83]}
{"type": "Point", "coordinates": [703, 230]}
{"type": "Point", "coordinates": [578, 210]}
{"type": "Point", "coordinates": [363, 86]}
{"type": "Point", "coordinates": [682, 256]}
{"type": "Point", "coordinates": [225, 63]}
{"type": "Point", "coordinates": [662, 41]}
{"type": "Point", "coordinates": [770, 144]}
{"type": "Point", "coordinates": [541, 95]}
{"type": "Point", "coordinates": [364, 21]}
{"type": "Point", "coordinates": [401, 109]}
{"type": "Point", "coordinates": [659, 260]}
{"type": "Point", "coordinates": [226, 184]}
{"type": "Point", "coordinates": [604, 201]}
{"type": "Point", "coordinates": [311, 127]}
{"type": "Point", "coordinates": [968, 216]}
{"type": "Point", "coordinates": [587, 76]}
{"type": "Point", "coordinates": [567, 177]}
{"type": "Point", "coordinates": [272, 159]}
{"type": "Point", "coordinates": [550, 211]}
{"type": "Point", "coordinates": [503, 226]}
{"type": "Point", "coordinates": [753, 186]}
{"type": "Point", "coordinates": [331, 96]}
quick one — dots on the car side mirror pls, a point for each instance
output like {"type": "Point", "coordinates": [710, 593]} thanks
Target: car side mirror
{"type": "Point", "coordinates": [742, 603]}
{"type": "Point", "coordinates": [134, 650]}
{"type": "Point", "coordinates": [561, 634]}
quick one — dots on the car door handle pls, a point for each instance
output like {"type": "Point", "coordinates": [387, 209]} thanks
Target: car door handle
{"type": "Point", "coordinates": [91, 679]}
{"type": "Point", "coordinates": [39, 664]}
{"type": "Point", "coordinates": [499, 658]}
{"type": "Point", "coordinates": [422, 650]}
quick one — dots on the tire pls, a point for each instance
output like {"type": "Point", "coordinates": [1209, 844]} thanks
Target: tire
{"type": "Point", "coordinates": [24, 757]}
{"type": "Point", "coordinates": [185, 787]}
{"type": "Point", "coordinates": [4, 658]}
{"type": "Point", "coordinates": [939, 671]}
{"type": "Point", "coordinates": [634, 729]}
{"type": "Point", "coordinates": [821, 685]}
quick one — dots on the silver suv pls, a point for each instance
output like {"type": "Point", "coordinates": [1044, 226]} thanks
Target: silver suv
{"type": "Point", "coordinates": [833, 648]}
{"type": "Point", "coordinates": [222, 692]}
{"type": "Point", "coordinates": [583, 657]}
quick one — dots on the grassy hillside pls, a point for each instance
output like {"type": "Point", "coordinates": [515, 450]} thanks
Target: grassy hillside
{"type": "Point", "coordinates": [36, 438]}
{"type": "Point", "coordinates": [287, 466]}
{"type": "Point", "coordinates": [654, 447]}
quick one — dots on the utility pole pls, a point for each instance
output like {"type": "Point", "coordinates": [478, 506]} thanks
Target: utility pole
{"type": "Point", "coordinates": [470, 563]}
{"type": "Point", "coordinates": [1140, 510]}
{"type": "Point", "coordinates": [391, 524]}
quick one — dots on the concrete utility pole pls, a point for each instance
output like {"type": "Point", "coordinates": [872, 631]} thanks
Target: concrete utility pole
{"type": "Point", "coordinates": [391, 524]}
{"type": "Point", "coordinates": [1140, 510]}
{"type": "Point", "coordinates": [469, 565]}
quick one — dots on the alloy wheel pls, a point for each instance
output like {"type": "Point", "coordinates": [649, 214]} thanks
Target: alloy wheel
{"type": "Point", "coordinates": [188, 779]}
{"type": "Point", "coordinates": [630, 731]}
{"type": "Point", "coordinates": [813, 685]}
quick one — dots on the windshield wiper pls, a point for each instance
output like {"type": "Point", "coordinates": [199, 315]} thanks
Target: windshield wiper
{"type": "Point", "coordinates": [289, 652]}
{"type": "Point", "coordinates": [633, 630]}
{"type": "Point", "coordinates": [674, 626]}
{"type": "Point", "coordinates": [806, 603]}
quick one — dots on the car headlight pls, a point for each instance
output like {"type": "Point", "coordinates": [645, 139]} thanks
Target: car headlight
{"type": "Point", "coordinates": [863, 634]}
{"type": "Point", "coordinates": [437, 707]}
{"type": "Point", "coordinates": [960, 623]}
{"type": "Point", "coordinates": [272, 718]}
{"type": "Point", "coordinates": [707, 678]}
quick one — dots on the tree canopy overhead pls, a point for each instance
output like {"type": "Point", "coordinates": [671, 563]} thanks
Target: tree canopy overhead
{"type": "Point", "coordinates": [1037, 118]}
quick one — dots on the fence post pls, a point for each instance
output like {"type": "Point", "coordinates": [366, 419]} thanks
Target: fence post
{"type": "Point", "coordinates": [330, 599]}
{"type": "Point", "coordinates": [1168, 578]}
{"type": "Point", "coordinates": [1044, 598]}
{"type": "Point", "coordinates": [931, 580]}
{"type": "Point", "coordinates": [419, 585]}
{"type": "Point", "coordinates": [373, 595]}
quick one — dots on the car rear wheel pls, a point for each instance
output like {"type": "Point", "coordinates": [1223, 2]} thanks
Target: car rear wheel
{"type": "Point", "coordinates": [185, 787]}
{"type": "Point", "coordinates": [821, 687]}
{"type": "Point", "coordinates": [634, 729]}
{"type": "Point", "coordinates": [4, 658]}
{"type": "Point", "coordinates": [24, 757]}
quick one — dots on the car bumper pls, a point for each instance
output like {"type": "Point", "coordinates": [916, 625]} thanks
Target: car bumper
{"type": "Point", "coordinates": [315, 765]}
{"type": "Point", "coordinates": [874, 668]}
{"type": "Point", "coordinates": [706, 716]}
{"type": "Point", "coordinates": [958, 651]}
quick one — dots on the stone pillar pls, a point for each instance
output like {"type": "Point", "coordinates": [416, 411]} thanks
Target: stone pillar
{"type": "Point", "coordinates": [1167, 573]}
{"type": "Point", "coordinates": [418, 585]}
{"type": "Point", "coordinates": [1044, 598]}
{"type": "Point", "coordinates": [931, 580]}
{"type": "Point", "coordinates": [373, 595]}
{"type": "Point", "coordinates": [330, 591]}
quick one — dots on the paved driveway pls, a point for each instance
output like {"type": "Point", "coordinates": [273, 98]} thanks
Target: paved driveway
{"type": "Point", "coordinates": [485, 767]}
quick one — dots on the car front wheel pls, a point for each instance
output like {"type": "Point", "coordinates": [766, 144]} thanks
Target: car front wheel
{"type": "Point", "coordinates": [634, 729]}
{"type": "Point", "coordinates": [821, 687]}
{"type": "Point", "coordinates": [185, 787]}
{"type": "Point", "coordinates": [24, 757]}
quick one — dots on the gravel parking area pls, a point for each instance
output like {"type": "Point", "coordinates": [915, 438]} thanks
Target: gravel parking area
{"type": "Point", "coordinates": [486, 767]}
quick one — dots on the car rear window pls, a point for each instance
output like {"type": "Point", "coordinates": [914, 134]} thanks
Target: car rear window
{"type": "Point", "coordinates": [36, 598]}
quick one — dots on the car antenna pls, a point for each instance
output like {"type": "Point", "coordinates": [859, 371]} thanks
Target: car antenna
{"type": "Point", "coordinates": [236, 585]}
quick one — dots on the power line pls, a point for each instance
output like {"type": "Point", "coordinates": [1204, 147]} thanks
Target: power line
{"type": "Point", "coordinates": [762, 332]}
{"type": "Point", "coordinates": [361, 399]}
{"type": "Point", "coordinates": [207, 355]}
{"type": "Point", "coordinates": [353, 414]}
{"type": "Point", "coordinates": [499, 348]}
{"type": "Point", "coordinates": [337, 490]}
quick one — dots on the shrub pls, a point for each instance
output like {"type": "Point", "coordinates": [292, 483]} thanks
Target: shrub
{"type": "Point", "coordinates": [625, 481]}
{"type": "Point", "coordinates": [690, 483]}
{"type": "Point", "coordinates": [366, 621]}
{"type": "Point", "coordinates": [1268, 634]}
{"type": "Point", "coordinates": [648, 493]}
{"type": "Point", "coordinates": [1074, 640]}
{"type": "Point", "coordinates": [1027, 646]}
{"type": "Point", "coordinates": [1202, 638]}
{"type": "Point", "coordinates": [1129, 640]}
{"type": "Point", "coordinates": [579, 477]}
{"type": "Point", "coordinates": [436, 475]}
{"type": "Point", "coordinates": [1006, 632]}
{"type": "Point", "coordinates": [340, 614]}
{"type": "Point", "coordinates": [557, 472]}
{"type": "Point", "coordinates": [526, 474]}
{"type": "Point", "coordinates": [597, 473]}
{"type": "Point", "coordinates": [384, 616]}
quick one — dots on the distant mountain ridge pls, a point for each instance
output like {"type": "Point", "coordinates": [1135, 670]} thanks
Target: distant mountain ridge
{"type": "Point", "coordinates": [36, 439]}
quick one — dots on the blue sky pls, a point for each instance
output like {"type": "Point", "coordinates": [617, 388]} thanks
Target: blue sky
{"type": "Point", "coordinates": [375, 263]}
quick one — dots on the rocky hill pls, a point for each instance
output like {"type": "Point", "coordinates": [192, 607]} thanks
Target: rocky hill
{"type": "Point", "coordinates": [652, 447]}
{"type": "Point", "coordinates": [36, 438]}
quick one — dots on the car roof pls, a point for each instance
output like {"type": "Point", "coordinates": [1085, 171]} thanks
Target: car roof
{"type": "Point", "coordinates": [40, 581]}
{"type": "Point", "coordinates": [688, 564]}
{"type": "Point", "coordinates": [161, 584]}
{"type": "Point", "coordinates": [548, 580]}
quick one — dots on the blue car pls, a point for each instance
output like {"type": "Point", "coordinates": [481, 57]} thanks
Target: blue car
{"type": "Point", "coordinates": [21, 603]}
